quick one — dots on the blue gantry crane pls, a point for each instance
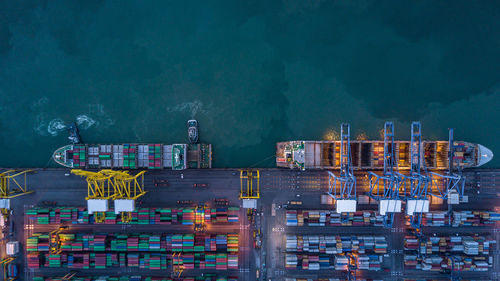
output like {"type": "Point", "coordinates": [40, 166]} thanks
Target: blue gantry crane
{"type": "Point", "coordinates": [386, 188]}
{"type": "Point", "coordinates": [451, 183]}
{"type": "Point", "coordinates": [417, 201]}
{"type": "Point", "coordinates": [342, 188]}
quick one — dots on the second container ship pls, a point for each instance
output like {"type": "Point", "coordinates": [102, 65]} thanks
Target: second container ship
{"type": "Point", "coordinates": [369, 155]}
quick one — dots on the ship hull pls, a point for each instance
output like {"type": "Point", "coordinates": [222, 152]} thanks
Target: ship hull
{"type": "Point", "coordinates": [369, 155]}
{"type": "Point", "coordinates": [135, 156]}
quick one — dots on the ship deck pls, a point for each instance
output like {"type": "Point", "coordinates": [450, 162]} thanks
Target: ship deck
{"type": "Point", "coordinates": [369, 155]}
{"type": "Point", "coordinates": [277, 187]}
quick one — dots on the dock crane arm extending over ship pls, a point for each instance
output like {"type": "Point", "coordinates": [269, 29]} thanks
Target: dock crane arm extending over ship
{"type": "Point", "coordinates": [417, 202]}
{"type": "Point", "coordinates": [342, 188]}
{"type": "Point", "coordinates": [389, 182]}
{"type": "Point", "coordinates": [453, 181]}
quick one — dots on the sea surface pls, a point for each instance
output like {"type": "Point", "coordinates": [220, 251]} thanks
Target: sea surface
{"type": "Point", "coordinates": [251, 72]}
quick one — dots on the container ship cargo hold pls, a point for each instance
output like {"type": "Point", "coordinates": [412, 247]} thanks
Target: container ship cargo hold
{"type": "Point", "coordinates": [369, 155]}
{"type": "Point", "coordinates": [135, 156]}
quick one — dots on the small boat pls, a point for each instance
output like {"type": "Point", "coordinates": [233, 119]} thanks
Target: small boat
{"type": "Point", "coordinates": [74, 134]}
{"type": "Point", "coordinates": [193, 131]}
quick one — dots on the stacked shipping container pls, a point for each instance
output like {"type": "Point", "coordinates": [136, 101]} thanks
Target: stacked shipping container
{"type": "Point", "coordinates": [100, 242]}
{"type": "Point", "coordinates": [206, 277]}
{"type": "Point", "coordinates": [183, 216]}
{"type": "Point", "coordinates": [460, 218]}
{"type": "Point", "coordinates": [330, 262]}
{"type": "Point", "coordinates": [336, 244]}
{"type": "Point", "coordinates": [329, 249]}
{"type": "Point", "coordinates": [153, 261]}
{"type": "Point", "coordinates": [441, 263]}
{"type": "Point", "coordinates": [469, 245]}
{"type": "Point", "coordinates": [331, 218]}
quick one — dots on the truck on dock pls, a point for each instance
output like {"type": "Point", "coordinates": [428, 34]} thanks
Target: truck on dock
{"type": "Point", "coordinates": [160, 182]}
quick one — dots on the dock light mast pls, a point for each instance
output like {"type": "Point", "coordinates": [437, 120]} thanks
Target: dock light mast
{"type": "Point", "coordinates": [390, 183]}
{"type": "Point", "coordinates": [417, 202]}
{"type": "Point", "coordinates": [100, 188]}
{"type": "Point", "coordinates": [128, 189]}
{"type": "Point", "coordinates": [449, 186]}
{"type": "Point", "coordinates": [12, 184]}
{"type": "Point", "coordinates": [342, 188]}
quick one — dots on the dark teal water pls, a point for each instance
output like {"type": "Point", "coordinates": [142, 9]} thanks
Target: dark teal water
{"type": "Point", "coordinates": [252, 72]}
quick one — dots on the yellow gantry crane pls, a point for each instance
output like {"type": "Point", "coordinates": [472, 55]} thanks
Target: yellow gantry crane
{"type": "Point", "coordinates": [54, 240]}
{"type": "Point", "coordinates": [119, 186]}
{"type": "Point", "coordinates": [99, 186]}
{"type": "Point", "coordinates": [69, 276]}
{"type": "Point", "coordinates": [12, 184]}
{"type": "Point", "coordinates": [199, 218]}
{"type": "Point", "coordinates": [177, 264]}
{"type": "Point", "coordinates": [5, 262]}
{"type": "Point", "coordinates": [128, 188]}
{"type": "Point", "coordinates": [247, 188]}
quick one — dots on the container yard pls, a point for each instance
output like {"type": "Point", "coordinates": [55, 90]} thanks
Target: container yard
{"type": "Point", "coordinates": [167, 216]}
{"type": "Point", "coordinates": [210, 277]}
{"type": "Point", "coordinates": [179, 231]}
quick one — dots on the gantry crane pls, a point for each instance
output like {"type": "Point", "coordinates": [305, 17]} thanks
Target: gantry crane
{"type": "Point", "coordinates": [100, 188]}
{"type": "Point", "coordinates": [417, 202]}
{"type": "Point", "coordinates": [5, 262]}
{"type": "Point", "coordinates": [352, 266]}
{"type": "Point", "coordinates": [250, 191]}
{"type": "Point", "coordinates": [386, 188]}
{"type": "Point", "coordinates": [69, 276]}
{"type": "Point", "coordinates": [12, 186]}
{"type": "Point", "coordinates": [342, 188]}
{"type": "Point", "coordinates": [199, 218]}
{"type": "Point", "coordinates": [54, 240]}
{"type": "Point", "coordinates": [128, 189]}
{"type": "Point", "coordinates": [443, 185]}
{"type": "Point", "coordinates": [177, 264]}
{"type": "Point", "coordinates": [454, 276]}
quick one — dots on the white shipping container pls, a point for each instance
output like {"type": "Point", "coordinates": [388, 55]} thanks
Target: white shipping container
{"type": "Point", "coordinates": [12, 248]}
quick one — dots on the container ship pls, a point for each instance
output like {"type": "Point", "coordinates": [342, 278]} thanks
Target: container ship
{"type": "Point", "coordinates": [135, 156]}
{"type": "Point", "coordinates": [369, 155]}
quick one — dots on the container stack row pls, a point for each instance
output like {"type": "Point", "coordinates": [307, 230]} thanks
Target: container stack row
{"type": "Point", "coordinates": [79, 156]}
{"type": "Point", "coordinates": [323, 279]}
{"type": "Point", "coordinates": [152, 261]}
{"type": "Point", "coordinates": [100, 242]}
{"type": "Point", "coordinates": [331, 218]}
{"type": "Point", "coordinates": [100, 156]}
{"type": "Point", "coordinates": [443, 263]}
{"type": "Point", "coordinates": [461, 218]}
{"type": "Point", "coordinates": [335, 244]}
{"type": "Point", "coordinates": [475, 218]}
{"type": "Point", "coordinates": [327, 262]}
{"type": "Point", "coordinates": [469, 245]}
{"type": "Point", "coordinates": [183, 216]}
{"type": "Point", "coordinates": [123, 156]}
{"type": "Point", "coordinates": [207, 277]}
{"type": "Point", "coordinates": [150, 156]}
{"type": "Point", "coordinates": [129, 156]}
{"type": "Point", "coordinates": [142, 156]}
